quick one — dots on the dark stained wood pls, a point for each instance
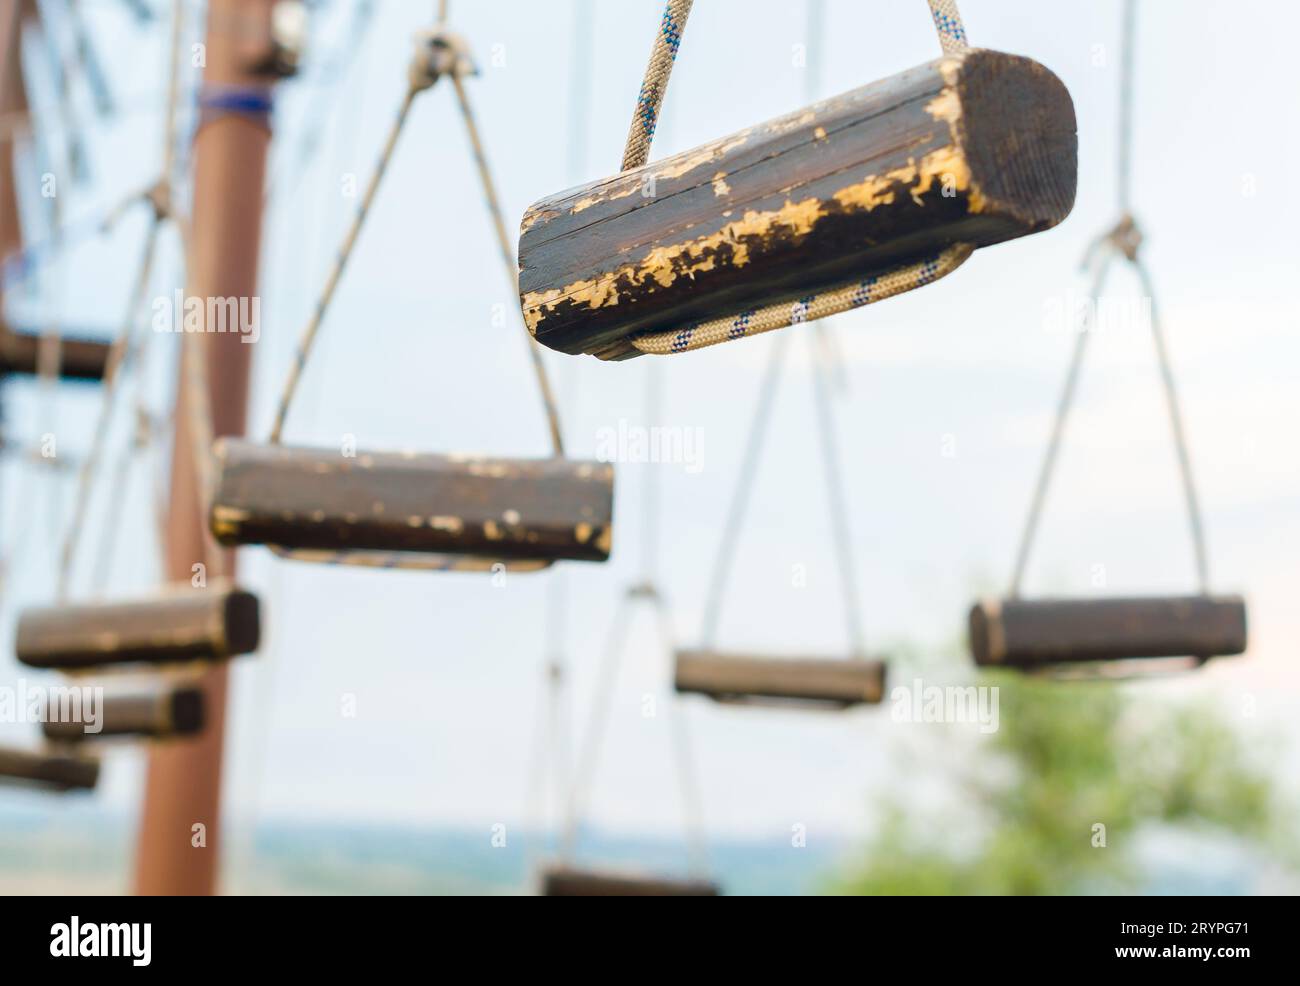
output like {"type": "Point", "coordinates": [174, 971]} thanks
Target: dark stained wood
{"type": "Point", "coordinates": [182, 624]}
{"type": "Point", "coordinates": [158, 712]}
{"type": "Point", "coordinates": [1026, 633]}
{"type": "Point", "coordinates": [58, 771]}
{"type": "Point", "coordinates": [976, 148]}
{"type": "Point", "coordinates": [80, 359]}
{"type": "Point", "coordinates": [508, 509]}
{"type": "Point", "coordinates": [748, 678]}
{"type": "Point", "coordinates": [566, 882]}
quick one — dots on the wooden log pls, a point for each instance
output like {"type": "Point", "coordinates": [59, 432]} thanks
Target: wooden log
{"type": "Point", "coordinates": [837, 683]}
{"type": "Point", "coordinates": [58, 771]}
{"type": "Point", "coordinates": [160, 712]}
{"type": "Point", "coordinates": [80, 359]}
{"type": "Point", "coordinates": [319, 499]}
{"type": "Point", "coordinates": [567, 882]}
{"type": "Point", "coordinates": [182, 624]}
{"type": "Point", "coordinates": [974, 148]}
{"type": "Point", "coordinates": [1025, 633]}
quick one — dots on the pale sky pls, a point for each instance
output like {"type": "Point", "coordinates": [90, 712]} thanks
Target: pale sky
{"type": "Point", "coordinates": [447, 669]}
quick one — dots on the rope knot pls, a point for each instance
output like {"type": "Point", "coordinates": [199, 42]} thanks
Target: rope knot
{"type": "Point", "coordinates": [1125, 236]}
{"type": "Point", "coordinates": [159, 197]}
{"type": "Point", "coordinates": [437, 53]}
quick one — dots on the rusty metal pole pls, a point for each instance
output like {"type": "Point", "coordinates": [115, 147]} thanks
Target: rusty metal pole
{"type": "Point", "coordinates": [183, 784]}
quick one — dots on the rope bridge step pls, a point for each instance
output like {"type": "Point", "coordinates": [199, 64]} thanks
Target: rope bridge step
{"type": "Point", "coordinates": [751, 679]}
{"type": "Point", "coordinates": [180, 625]}
{"type": "Point", "coordinates": [329, 505]}
{"type": "Point", "coordinates": [161, 710]}
{"type": "Point", "coordinates": [570, 882]}
{"type": "Point", "coordinates": [1027, 634]}
{"type": "Point", "coordinates": [786, 221]}
{"type": "Point", "coordinates": [51, 771]}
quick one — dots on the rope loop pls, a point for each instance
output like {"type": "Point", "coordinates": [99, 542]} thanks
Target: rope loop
{"type": "Point", "coordinates": [439, 52]}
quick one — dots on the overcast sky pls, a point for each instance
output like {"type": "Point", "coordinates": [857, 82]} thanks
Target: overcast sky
{"type": "Point", "coordinates": [446, 669]}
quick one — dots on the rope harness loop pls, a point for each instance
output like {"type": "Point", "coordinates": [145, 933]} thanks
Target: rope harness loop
{"type": "Point", "coordinates": [841, 298]}
{"type": "Point", "coordinates": [439, 52]}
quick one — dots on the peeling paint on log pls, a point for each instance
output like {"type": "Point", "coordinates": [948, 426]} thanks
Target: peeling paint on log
{"type": "Point", "coordinates": [319, 499]}
{"type": "Point", "coordinates": [975, 148]}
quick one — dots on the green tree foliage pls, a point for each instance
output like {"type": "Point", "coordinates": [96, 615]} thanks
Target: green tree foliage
{"type": "Point", "coordinates": [1069, 756]}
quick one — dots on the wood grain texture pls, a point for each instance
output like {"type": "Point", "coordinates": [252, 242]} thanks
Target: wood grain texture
{"type": "Point", "coordinates": [162, 711]}
{"type": "Point", "coordinates": [1037, 632]}
{"type": "Point", "coordinates": [567, 882]}
{"type": "Point", "coordinates": [508, 509]}
{"type": "Point", "coordinates": [182, 624]}
{"type": "Point", "coordinates": [56, 771]}
{"type": "Point", "coordinates": [728, 677]}
{"type": "Point", "coordinates": [976, 148]}
{"type": "Point", "coordinates": [80, 359]}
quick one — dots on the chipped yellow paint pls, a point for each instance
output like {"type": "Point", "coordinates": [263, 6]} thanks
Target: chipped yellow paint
{"type": "Point", "coordinates": [603, 541]}
{"type": "Point", "coordinates": [663, 265]}
{"type": "Point", "coordinates": [720, 186]}
{"type": "Point", "coordinates": [511, 516]}
{"type": "Point", "coordinates": [451, 525]}
{"type": "Point", "coordinates": [226, 520]}
{"type": "Point", "coordinates": [582, 533]}
{"type": "Point", "coordinates": [946, 106]}
{"type": "Point", "coordinates": [819, 133]}
{"type": "Point", "coordinates": [415, 521]}
{"type": "Point", "coordinates": [584, 204]}
{"type": "Point", "coordinates": [794, 121]}
{"type": "Point", "coordinates": [491, 531]}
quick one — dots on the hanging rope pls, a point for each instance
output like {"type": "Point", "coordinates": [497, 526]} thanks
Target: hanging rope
{"type": "Point", "coordinates": [745, 483]}
{"type": "Point", "coordinates": [1121, 242]}
{"type": "Point", "coordinates": [952, 38]}
{"type": "Point", "coordinates": [129, 339]}
{"type": "Point", "coordinates": [654, 85]}
{"type": "Point", "coordinates": [439, 54]}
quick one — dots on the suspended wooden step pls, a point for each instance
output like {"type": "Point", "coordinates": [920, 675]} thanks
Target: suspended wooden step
{"type": "Point", "coordinates": [568, 882]}
{"type": "Point", "coordinates": [56, 771]}
{"type": "Point", "coordinates": [505, 509]}
{"type": "Point", "coordinates": [752, 679]}
{"type": "Point", "coordinates": [972, 149]}
{"type": "Point", "coordinates": [80, 359]}
{"type": "Point", "coordinates": [182, 624]}
{"type": "Point", "coordinates": [161, 711]}
{"type": "Point", "coordinates": [1035, 633]}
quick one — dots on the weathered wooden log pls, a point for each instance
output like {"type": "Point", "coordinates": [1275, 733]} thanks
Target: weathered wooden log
{"type": "Point", "coordinates": [567, 882]}
{"type": "Point", "coordinates": [38, 768]}
{"type": "Point", "coordinates": [975, 148]}
{"type": "Point", "coordinates": [749, 678]}
{"type": "Point", "coordinates": [319, 499]}
{"type": "Point", "coordinates": [80, 359]}
{"type": "Point", "coordinates": [182, 624]}
{"type": "Point", "coordinates": [1026, 633]}
{"type": "Point", "coordinates": [159, 712]}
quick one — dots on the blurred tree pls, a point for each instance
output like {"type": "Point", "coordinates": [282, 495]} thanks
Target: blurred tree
{"type": "Point", "coordinates": [1065, 758]}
